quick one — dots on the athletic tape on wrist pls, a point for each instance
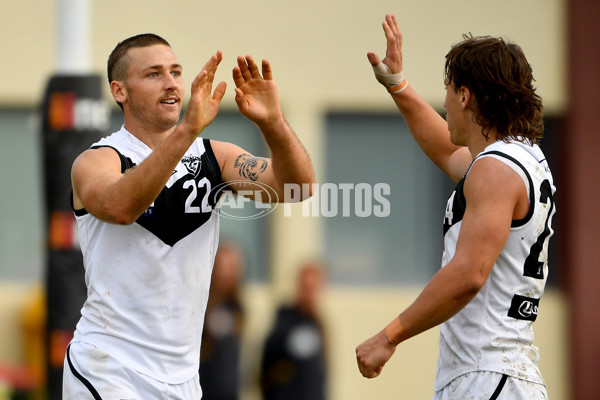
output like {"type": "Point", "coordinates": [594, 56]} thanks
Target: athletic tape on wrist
{"type": "Point", "coordinates": [394, 83]}
{"type": "Point", "coordinates": [399, 88]}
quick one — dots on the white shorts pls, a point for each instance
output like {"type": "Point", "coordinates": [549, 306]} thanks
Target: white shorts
{"type": "Point", "coordinates": [485, 385]}
{"type": "Point", "coordinates": [91, 373]}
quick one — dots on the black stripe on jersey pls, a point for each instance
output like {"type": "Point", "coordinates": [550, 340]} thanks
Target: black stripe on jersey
{"type": "Point", "coordinates": [213, 166]}
{"type": "Point", "coordinates": [126, 162]}
{"type": "Point", "coordinates": [459, 202]}
{"type": "Point", "coordinates": [86, 383]}
{"type": "Point", "coordinates": [80, 212]}
{"type": "Point", "coordinates": [457, 208]}
{"type": "Point", "coordinates": [213, 172]}
{"type": "Point", "coordinates": [499, 387]}
{"type": "Point", "coordinates": [519, 222]}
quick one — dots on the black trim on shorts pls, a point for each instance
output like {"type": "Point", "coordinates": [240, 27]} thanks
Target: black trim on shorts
{"type": "Point", "coordinates": [499, 387]}
{"type": "Point", "coordinates": [87, 383]}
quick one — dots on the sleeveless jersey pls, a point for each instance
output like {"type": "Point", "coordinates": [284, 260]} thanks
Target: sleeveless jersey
{"type": "Point", "coordinates": [494, 331]}
{"type": "Point", "coordinates": [148, 282]}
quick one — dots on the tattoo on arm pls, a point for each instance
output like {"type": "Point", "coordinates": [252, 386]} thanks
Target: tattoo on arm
{"type": "Point", "coordinates": [249, 166]}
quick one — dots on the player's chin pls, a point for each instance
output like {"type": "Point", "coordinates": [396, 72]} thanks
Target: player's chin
{"type": "Point", "coordinates": [167, 121]}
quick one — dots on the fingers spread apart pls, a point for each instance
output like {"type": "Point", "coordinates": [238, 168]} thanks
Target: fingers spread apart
{"type": "Point", "coordinates": [247, 70]}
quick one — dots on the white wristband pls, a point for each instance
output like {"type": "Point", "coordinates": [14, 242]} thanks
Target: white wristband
{"type": "Point", "coordinates": [394, 83]}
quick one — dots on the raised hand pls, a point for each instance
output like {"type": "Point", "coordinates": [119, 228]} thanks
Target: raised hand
{"type": "Point", "coordinates": [256, 95]}
{"type": "Point", "coordinates": [204, 104]}
{"type": "Point", "coordinates": [393, 54]}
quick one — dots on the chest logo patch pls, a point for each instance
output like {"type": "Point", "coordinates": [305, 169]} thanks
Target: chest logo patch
{"type": "Point", "coordinates": [193, 164]}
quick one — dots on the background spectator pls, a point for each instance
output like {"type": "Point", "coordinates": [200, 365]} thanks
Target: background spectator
{"type": "Point", "coordinates": [294, 362]}
{"type": "Point", "coordinates": [221, 338]}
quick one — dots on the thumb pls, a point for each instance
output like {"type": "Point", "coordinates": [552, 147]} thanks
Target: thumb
{"type": "Point", "coordinates": [220, 91]}
{"type": "Point", "coordinates": [373, 58]}
{"type": "Point", "coordinates": [240, 99]}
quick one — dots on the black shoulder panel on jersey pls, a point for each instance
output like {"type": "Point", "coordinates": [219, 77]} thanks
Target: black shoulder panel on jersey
{"type": "Point", "coordinates": [126, 162]}
{"type": "Point", "coordinates": [213, 165]}
{"type": "Point", "coordinates": [520, 222]}
{"type": "Point", "coordinates": [457, 208]}
{"type": "Point", "coordinates": [214, 173]}
{"type": "Point", "coordinates": [78, 213]}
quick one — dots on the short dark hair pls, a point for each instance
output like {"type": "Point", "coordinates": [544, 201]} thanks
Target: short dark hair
{"type": "Point", "coordinates": [118, 62]}
{"type": "Point", "coordinates": [501, 80]}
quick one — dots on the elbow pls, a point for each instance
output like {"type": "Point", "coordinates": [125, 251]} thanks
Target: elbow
{"type": "Point", "coordinates": [474, 282]}
{"type": "Point", "coordinates": [472, 286]}
{"type": "Point", "coordinates": [297, 190]}
{"type": "Point", "coordinates": [124, 220]}
{"type": "Point", "coordinates": [472, 279]}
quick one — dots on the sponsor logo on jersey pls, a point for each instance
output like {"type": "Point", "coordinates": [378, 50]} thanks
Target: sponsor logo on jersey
{"type": "Point", "coordinates": [523, 307]}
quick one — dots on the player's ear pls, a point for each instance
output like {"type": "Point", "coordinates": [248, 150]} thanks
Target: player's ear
{"type": "Point", "coordinates": [465, 97]}
{"type": "Point", "coordinates": [118, 91]}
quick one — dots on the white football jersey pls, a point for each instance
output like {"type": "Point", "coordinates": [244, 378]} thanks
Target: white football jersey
{"type": "Point", "coordinates": [494, 331]}
{"type": "Point", "coordinates": [148, 282]}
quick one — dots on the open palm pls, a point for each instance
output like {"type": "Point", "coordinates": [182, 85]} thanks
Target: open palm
{"type": "Point", "coordinates": [256, 95]}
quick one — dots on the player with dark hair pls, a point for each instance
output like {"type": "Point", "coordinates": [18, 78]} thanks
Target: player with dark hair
{"type": "Point", "coordinates": [119, 59]}
{"type": "Point", "coordinates": [146, 204]}
{"type": "Point", "coordinates": [496, 225]}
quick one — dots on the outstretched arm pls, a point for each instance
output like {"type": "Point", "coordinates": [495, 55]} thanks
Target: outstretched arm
{"type": "Point", "coordinates": [428, 128]}
{"type": "Point", "coordinates": [258, 100]}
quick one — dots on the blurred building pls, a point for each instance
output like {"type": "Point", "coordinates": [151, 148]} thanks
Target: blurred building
{"type": "Point", "coordinates": [378, 239]}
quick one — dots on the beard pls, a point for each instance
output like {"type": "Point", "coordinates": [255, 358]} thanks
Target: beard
{"type": "Point", "coordinates": [153, 121]}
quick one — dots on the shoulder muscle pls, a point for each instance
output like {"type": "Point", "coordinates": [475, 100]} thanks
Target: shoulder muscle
{"type": "Point", "coordinates": [92, 171]}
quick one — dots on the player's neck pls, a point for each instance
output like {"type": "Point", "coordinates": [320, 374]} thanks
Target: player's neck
{"type": "Point", "coordinates": [478, 142]}
{"type": "Point", "coordinates": [149, 135]}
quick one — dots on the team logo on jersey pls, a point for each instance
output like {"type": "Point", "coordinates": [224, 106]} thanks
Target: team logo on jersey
{"type": "Point", "coordinates": [193, 164]}
{"type": "Point", "coordinates": [523, 307]}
